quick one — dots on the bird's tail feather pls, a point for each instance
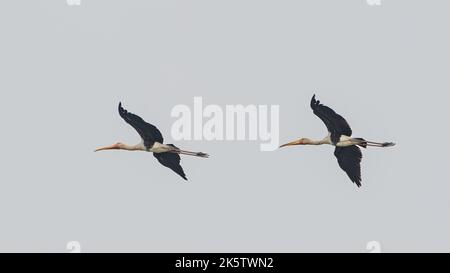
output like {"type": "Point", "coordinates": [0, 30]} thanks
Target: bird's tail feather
{"type": "Point", "coordinates": [361, 142]}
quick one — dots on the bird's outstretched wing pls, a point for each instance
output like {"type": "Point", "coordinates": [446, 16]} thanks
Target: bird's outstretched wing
{"type": "Point", "coordinates": [148, 132]}
{"type": "Point", "coordinates": [171, 161]}
{"type": "Point", "coordinates": [349, 159]}
{"type": "Point", "coordinates": [335, 123]}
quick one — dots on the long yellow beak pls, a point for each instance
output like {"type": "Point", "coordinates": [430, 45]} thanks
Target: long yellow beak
{"type": "Point", "coordinates": [112, 147]}
{"type": "Point", "coordinates": [295, 142]}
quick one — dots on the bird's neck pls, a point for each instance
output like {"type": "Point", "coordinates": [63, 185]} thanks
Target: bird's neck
{"type": "Point", "coordinates": [308, 141]}
{"type": "Point", "coordinates": [137, 147]}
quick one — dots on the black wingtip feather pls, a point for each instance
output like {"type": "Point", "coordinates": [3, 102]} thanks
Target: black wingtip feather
{"type": "Point", "coordinates": [349, 159]}
{"type": "Point", "coordinates": [355, 180]}
{"type": "Point", "coordinates": [335, 123]}
{"type": "Point", "coordinates": [171, 161]}
{"type": "Point", "coordinates": [358, 183]}
{"type": "Point", "coordinates": [148, 132]}
{"type": "Point", "coordinates": [182, 176]}
{"type": "Point", "coordinates": [313, 101]}
{"type": "Point", "coordinates": [121, 110]}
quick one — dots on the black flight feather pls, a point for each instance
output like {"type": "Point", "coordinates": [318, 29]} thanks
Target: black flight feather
{"type": "Point", "coordinates": [336, 124]}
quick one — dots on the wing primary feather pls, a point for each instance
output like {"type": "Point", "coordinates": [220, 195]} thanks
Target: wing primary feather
{"type": "Point", "coordinates": [148, 132]}
{"type": "Point", "coordinates": [335, 123]}
{"type": "Point", "coordinates": [171, 161]}
{"type": "Point", "coordinates": [349, 159]}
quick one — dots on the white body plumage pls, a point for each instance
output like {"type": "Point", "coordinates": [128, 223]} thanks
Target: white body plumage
{"type": "Point", "coordinates": [161, 148]}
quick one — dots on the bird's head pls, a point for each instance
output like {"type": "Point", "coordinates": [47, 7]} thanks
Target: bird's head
{"type": "Point", "coordinates": [115, 146]}
{"type": "Point", "coordinates": [301, 141]}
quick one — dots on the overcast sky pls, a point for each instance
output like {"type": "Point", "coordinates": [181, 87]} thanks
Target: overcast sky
{"type": "Point", "coordinates": [65, 68]}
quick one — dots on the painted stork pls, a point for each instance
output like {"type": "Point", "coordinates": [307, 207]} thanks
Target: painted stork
{"type": "Point", "coordinates": [152, 141]}
{"type": "Point", "coordinates": [347, 151]}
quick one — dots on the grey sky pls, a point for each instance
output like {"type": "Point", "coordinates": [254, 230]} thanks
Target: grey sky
{"type": "Point", "coordinates": [64, 69]}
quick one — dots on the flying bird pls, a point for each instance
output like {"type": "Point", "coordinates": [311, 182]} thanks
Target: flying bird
{"type": "Point", "coordinates": [152, 141]}
{"type": "Point", "coordinates": [347, 152]}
